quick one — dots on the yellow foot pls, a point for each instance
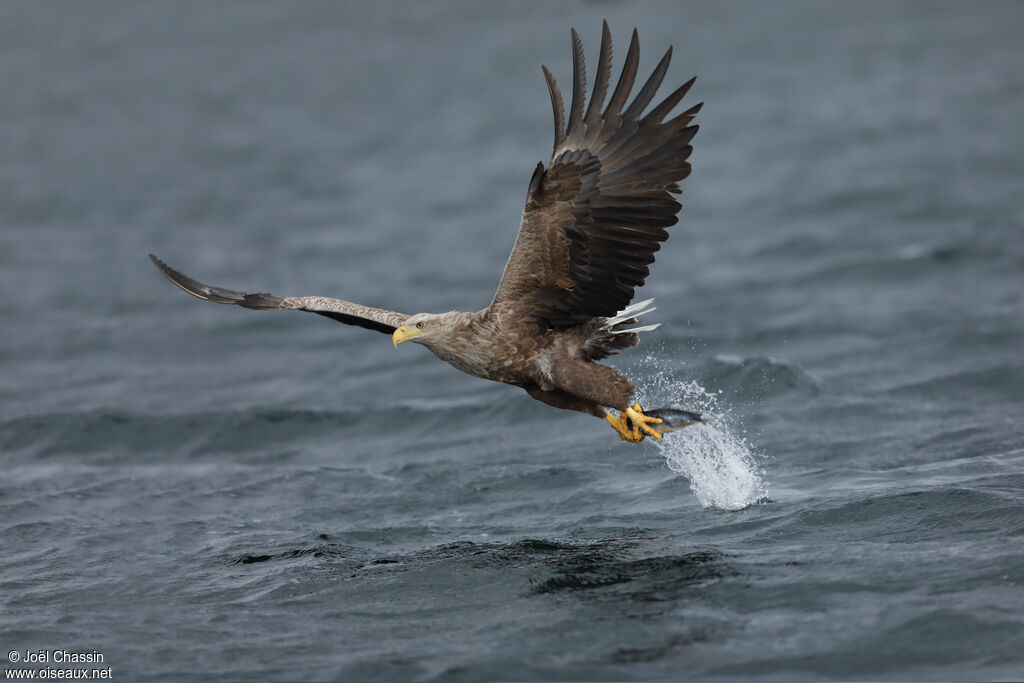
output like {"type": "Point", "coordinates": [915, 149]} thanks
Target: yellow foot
{"type": "Point", "coordinates": [632, 425]}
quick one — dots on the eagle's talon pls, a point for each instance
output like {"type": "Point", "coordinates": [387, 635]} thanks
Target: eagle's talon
{"type": "Point", "coordinates": [632, 425]}
{"type": "Point", "coordinates": [643, 422]}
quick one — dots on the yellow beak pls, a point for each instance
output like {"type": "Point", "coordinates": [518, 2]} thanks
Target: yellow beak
{"type": "Point", "coordinates": [403, 334]}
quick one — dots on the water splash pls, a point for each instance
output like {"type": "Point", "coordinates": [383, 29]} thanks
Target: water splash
{"type": "Point", "coordinates": [719, 464]}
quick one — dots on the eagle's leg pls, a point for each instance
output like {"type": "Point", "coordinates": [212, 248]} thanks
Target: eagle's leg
{"type": "Point", "coordinates": [632, 425]}
{"type": "Point", "coordinates": [564, 400]}
{"type": "Point", "coordinates": [598, 388]}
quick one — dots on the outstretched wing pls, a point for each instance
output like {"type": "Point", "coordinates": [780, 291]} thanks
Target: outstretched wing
{"type": "Point", "coordinates": [594, 219]}
{"type": "Point", "coordinates": [336, 309]}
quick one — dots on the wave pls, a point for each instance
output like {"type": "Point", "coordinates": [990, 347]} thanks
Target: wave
{"type": "Point", "coordinates": [913, 515]}
{"type": "Point", "coordinates": [757, 377]}
{"type": "Point", "coordinates": [1002, 382]}
{"type": "Point", "coordinates": [584, 568]}
{"type": "Point", "coordinates": [115, 432]}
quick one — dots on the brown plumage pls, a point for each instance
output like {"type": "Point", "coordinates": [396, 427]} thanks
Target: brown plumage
{"type": "Point", "coordinates": [592, 223]}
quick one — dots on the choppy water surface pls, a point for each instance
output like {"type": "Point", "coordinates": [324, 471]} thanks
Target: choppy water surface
{"type": "Point", "coordinates": [202, 492]}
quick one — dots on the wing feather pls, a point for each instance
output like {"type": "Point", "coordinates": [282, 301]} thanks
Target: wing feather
{"type": "Point", "coordinates": [557, 106]}
{"type": "Point", "coordinates": [579, 87]}
{"type": "Point", "coordinates": [626, 79]}
{"type": "Point", "coordinates": [647, 92]}
{"type": "Point", "coordinates": [346, 312]}
{"type": "Point", "coordinates": [661, 111]}
{"type": "Point", "coordinates": [595, 218]}
{"type": "Point", "coordinates": [601, 80]}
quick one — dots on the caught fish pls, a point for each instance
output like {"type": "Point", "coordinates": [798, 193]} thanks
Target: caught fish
{"type": "Point", "coordinates": [674, 418]}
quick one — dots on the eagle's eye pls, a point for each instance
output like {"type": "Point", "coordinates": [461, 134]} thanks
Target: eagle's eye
{"type": "Point", "coordinates": [419, 325]}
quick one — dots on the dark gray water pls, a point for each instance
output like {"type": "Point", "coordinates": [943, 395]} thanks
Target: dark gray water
{"type": "Point", "coordinates": [203, 492]}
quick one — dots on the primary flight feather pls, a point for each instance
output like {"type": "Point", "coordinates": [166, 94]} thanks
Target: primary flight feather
{"type": "Point", "coordinates": [591, 225]}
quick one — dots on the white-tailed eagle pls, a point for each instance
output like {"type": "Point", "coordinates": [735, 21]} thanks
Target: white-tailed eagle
{"type": "Point", "coordinates": [592, 223]}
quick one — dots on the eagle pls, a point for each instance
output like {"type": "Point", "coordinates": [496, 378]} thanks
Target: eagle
{"type": "Point", "coordinates": [593, 220]}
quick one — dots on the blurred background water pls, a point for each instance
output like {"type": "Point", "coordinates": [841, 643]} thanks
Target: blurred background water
{"type": "Point", "coordinates": [203, 492]}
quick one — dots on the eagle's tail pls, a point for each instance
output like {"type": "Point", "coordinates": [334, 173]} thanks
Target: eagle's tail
{"type": "Point", "coordinates": [628, 316]}
{"type": "Point", "coordinates": [609, 335]}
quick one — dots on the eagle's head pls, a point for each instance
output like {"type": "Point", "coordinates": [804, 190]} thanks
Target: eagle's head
{"type": "Point", "coordinates": [421, 328]}
{"type": "Point", "coordinates": [453, 337]}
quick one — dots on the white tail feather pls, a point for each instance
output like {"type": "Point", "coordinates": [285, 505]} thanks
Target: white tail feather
{"type": "Point", "coordinates": [631, 311]}
{"type": "Point", "coordinates": [645, 328]}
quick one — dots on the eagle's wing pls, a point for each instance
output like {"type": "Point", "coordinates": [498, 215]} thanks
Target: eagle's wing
{"type": "Point", "coordinates": [594, 219]}
{"type": "Point", "coordinates": [336, 309]}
